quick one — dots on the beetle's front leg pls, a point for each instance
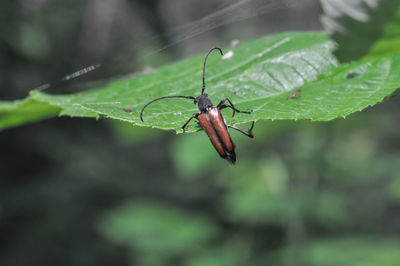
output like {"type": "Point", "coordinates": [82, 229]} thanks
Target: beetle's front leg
{"type": "Point", "coordinates": [187, 122]}
{"type": "Point", "coordinates": [222, 105]}
{"type": "Point", "coordinates": [247, 133]}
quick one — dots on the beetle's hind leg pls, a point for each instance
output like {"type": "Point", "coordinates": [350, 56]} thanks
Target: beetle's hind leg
{"type": "Point", "coordinates": [187, 122]}
{"type": "Point", "coordinates": [222, 105]}
{"type": "Point", "coordinates": [247, 133]}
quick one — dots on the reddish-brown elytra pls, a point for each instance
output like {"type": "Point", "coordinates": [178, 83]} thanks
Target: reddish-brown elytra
{"type": "Point", "coordinates": [211, 119]}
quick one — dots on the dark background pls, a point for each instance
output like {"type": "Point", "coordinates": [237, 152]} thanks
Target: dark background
{"type": "Point", "coordinates": [86, 192]}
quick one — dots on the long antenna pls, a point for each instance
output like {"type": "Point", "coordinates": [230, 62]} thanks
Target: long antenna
{"type": "Point", "coordinates": [164, 97]}
{"type": "Point", "coordinates": [204, 66]}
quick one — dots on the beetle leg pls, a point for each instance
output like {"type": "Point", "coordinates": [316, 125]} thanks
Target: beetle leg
{"type": "Point", "coordinates": [247, 133]}
{"type": "Point", "coordinates": [222, 105]}
{"type": "Point", "coordinates": [187, 122]}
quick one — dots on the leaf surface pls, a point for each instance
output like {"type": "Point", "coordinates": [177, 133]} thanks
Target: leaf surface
{"type": "Point", "coordinates": [284, 76]}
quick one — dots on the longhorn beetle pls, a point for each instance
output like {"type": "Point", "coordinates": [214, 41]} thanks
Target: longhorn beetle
{"type": "Point", "coordinates": [211, 119]}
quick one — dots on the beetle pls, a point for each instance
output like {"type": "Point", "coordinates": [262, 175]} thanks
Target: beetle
{"type": "Point", "coordinates": [211, 120]}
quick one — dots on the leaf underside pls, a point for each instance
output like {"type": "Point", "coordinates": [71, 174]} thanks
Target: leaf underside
{"type": "Point", "coordinates": [284, 76]}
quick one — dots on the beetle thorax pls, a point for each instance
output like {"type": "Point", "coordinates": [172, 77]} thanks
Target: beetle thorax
{"type": "Point", "coordinates": [203, 103]}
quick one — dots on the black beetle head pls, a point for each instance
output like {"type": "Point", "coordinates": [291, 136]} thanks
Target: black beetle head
{"type": "Point", "coordinates": [203, 103]}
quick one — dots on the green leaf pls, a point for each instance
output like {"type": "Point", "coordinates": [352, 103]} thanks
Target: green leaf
{"type": "Point", "coordinates": [20, 112]}
{"type": "Point", "coordinates": [284, 76]}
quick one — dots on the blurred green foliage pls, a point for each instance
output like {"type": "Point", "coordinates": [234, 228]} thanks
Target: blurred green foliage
{"type": "Point", "coordinates": [354, 250]}
{"type": "Point", "coordinates": [324, 192]}
{"type": "Point", "coordinates": [362, 28]}
{"type": "Point", "coordinates": [390, 40]}
{"type": "Point", "coordinates": [102, 192]}
{"type": "Point", "coordinates": [158, 232]}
